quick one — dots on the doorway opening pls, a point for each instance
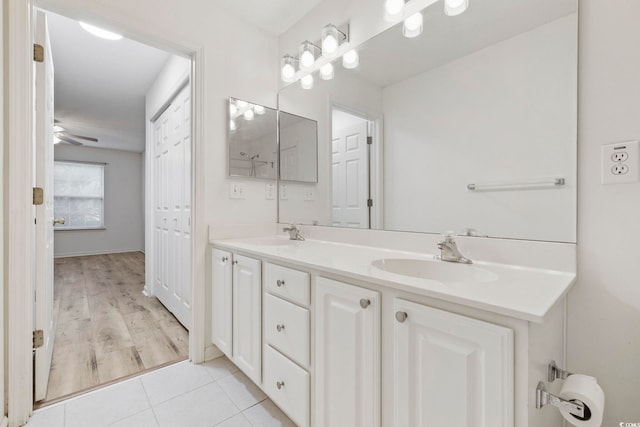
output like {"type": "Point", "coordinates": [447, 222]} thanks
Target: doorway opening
{"type": "Point", "coordinates": [116, 301]}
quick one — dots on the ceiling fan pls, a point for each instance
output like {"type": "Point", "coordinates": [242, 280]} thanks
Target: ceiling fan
{"type": "Point", "coordinates": [62, 135]}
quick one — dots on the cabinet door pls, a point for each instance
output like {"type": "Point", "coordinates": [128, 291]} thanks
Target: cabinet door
{"type": "Point", "coordinates": [450, 370]}
{"type": "Point", "coordinates": [222, 300]}
{"type": "Point", "coordinates": [247, 316]}
{"type": "Point", "coordinates": [347, 350]}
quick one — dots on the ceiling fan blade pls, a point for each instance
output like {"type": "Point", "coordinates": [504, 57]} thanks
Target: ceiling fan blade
{"type": "Point", "coordinates": [71, 135]}
{"type": "Point", "coordinates": [68, 140]}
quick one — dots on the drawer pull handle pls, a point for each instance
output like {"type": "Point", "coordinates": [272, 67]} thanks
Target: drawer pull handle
{"type": "Point", "coordinates": [280, 328]}
{"type": "Point", "coordinates": [401, 316]}
{"type": "Point", "coordinates": [280, 385]}
{"type": "Point", "coordinates": [280, 283]}
{"type": "Point", "coordinates": [364, 303]}
{"type": "Point", "coordinates": [225, 259]}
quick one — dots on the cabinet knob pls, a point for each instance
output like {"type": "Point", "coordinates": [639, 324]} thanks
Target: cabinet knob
{"type": "Point", "coordinates": [234, 262]}
{"type": "Point", "coordinates": [401, 316]}
{"type": "Point", "coordinates": [225, 259]}
{"type": "Point", "coordinates": [364, 303]}
{"type": "Point", "coordinates": [280, 328]}
{"type": "Point", "coordinates": [280, 385]}
{"type": "Point", "coordinates": [280, 283]}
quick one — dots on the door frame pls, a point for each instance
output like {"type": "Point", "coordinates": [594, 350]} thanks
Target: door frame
{"type": "Point", "coordinates": [19, 259]}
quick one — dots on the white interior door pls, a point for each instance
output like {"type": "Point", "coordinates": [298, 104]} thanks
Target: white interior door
{"type": "Point", "coordinates": [44, 213]}
{"type": "Point", "coordinates": [350, 170]}
{"type": "Point", "coordinates": [172, 206]}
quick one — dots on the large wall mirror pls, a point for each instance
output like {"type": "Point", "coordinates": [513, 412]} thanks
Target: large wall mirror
{"type": "Point", "coordinates": [470, 125]}
{"type": "Point", "coordinates": [252, 139]}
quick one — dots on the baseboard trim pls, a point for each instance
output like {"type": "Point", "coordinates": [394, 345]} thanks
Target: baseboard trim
{"type": "Point", "coordinates": [89, 253]}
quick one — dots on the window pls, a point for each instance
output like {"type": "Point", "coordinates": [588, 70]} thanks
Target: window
{"type": "Point", "coordinates": [78, 195]}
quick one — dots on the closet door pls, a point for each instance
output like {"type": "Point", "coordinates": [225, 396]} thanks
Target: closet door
{"type": "Point", "coordinates": [172, 206]}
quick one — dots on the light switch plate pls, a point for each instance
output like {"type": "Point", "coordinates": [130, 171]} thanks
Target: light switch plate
{"type": "Point", "coordinates": [309, 194]}
{"type": "Point", "coordinates": [621, 162]}
{"type": "Point", "coordinates": [283, 192]}
{"type": "Point", "coordinates": [237, 190]}
{"type": "Point", "coordinates": [269, 191]}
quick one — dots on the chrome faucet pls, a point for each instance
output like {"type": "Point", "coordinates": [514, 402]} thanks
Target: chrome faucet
{"type": "Point", "coordinates": [449, 250]}
{"type": "Point", "coordinates": [294, 232]}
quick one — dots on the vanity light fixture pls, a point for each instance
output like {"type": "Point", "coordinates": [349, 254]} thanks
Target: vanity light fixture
{"type": "Point", "coordinates": [307, 55]}
{"type": "Point", "coordinates": [241, 104]}
{"type": "Point", "coordinates": [58, 128]}
{"type": "Point", "coordinates": [248, 115]}
{"type": "Point", "coordinates": [413, 25]}
{"type": "Point", "coordinates": [351, 59]}
{"type": "Point", "coordinates": [288, 68]}
{"type": "Point", "coordinates": [307, 82]}
{"type": "Point", "coordinates": [99, 32]}
{"type": "Point", "coordinates": [233, 109]}
{"type": "Point", "coordinates": [232, 125]}
{"type": "Point", "coordinates": [259, 109]}
{"type": "Point", "coordinates": [326, 71]}
{"type": "Point", "coordinates": [56, 140]}
{"type": "Point", "coordinates": [393, 10]}
{"type": "Point", "coordinates": [331, 39]}
{"type": "Point", "coordinates": [455, 7]}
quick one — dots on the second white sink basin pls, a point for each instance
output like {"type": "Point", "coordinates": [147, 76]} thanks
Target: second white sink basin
{"type": "Point", "coordinates": [435, 270]}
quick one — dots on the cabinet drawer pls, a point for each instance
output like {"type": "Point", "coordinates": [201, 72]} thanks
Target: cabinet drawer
{"type": "Point", "coordinates": [286, 327]}
{"type": "Point", "coordinates": [291, 284]}
{"type": "Point", "coordinates": [287, 385]}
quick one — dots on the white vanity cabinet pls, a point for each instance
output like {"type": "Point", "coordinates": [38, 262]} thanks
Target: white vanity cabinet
{"type": "Point", "coordinates": [450, 370]}
{"type": "Point", "coordinates": [237, 310]}
{"type": "Point", "coordinates": [347, 355]}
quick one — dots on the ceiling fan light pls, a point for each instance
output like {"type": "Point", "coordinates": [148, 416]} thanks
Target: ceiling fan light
{"type": "Point", "coordinates": [393, 10]}
{"type": "Point", "coordinates": [412, 26]}
{"type": "Point", "coordinates": [99, 32]}
{"type": "Point", "coordinates": [307, 82]}
{"type": "Point", "coordinates": [455, 7]}
{"type": "Point", "coordinates": [350, 59]}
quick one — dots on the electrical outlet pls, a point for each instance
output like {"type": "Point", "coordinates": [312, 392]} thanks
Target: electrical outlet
{"type": "Point", "coordinates": [269, 191]}
{"type": "Point", "coordinates": [621, 162]}
{"type": "Point", "coordinates": [283, 192]}
{"type": "Point", "coordinates": [309, 194]}
{"type": "Point", "coordinates": [237, 190]}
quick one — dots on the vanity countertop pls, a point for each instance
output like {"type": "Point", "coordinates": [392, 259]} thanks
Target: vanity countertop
{"type": "Point", "coordinates": [520, 292]}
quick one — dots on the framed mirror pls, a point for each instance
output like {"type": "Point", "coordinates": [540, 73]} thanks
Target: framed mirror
{"type": "Point", "coordinates": [469, 125]}
{"type": "Point", "coordinates": [298, 148]}
{"type": "Point", "coordinates": [252, 140]}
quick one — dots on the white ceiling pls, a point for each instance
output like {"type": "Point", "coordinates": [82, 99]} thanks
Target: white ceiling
{"type": "Point", "coordinates": [100, 85]}
{"type": "Point", "coordinates": [273, 16]}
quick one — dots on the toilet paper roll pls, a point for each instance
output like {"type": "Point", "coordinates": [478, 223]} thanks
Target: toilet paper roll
{"type": "Point", "coordinates": [585, 389]}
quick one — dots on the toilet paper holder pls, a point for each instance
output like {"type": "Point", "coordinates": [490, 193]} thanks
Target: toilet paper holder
{"type": "Point", "coordinates": [544, 398]}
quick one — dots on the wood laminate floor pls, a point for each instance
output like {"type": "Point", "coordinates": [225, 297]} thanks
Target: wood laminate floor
{"type": "Point", "coordinates": [105, 327]}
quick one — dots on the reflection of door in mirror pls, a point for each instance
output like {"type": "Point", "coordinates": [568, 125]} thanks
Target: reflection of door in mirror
{"type": "Point", "coordinates": [350, 170]}
{"type": "Point", "coordinates": [289, 163]}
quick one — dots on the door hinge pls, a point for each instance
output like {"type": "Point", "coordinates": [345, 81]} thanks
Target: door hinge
{"type": "Point", "coordinates": [38, 338]}
{"type": "Point", "coordinates": [38, 53]}
{"type": "Point", "coordinates": [369, 140]}
{"type": "Point", "coordinates": [38, 196]}
{"type": "Point", "coordinates": [369, 202]}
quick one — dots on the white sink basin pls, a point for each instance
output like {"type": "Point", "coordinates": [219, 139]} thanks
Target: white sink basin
{"type": "Point", "coordinates": [435, 270]}
{"type": "Point", "coordinates": [274, 241]}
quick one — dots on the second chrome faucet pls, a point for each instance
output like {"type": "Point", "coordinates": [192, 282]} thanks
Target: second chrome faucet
{"type": "Point", "coordinates": [294, 232]}
{"type": "Point", "coordinates": [449, 250]}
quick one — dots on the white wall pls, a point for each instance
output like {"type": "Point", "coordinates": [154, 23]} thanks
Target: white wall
{"type": "Point", "coordinates": [123, 213]}
{"type": "Point", "coordinates": [3, 288]}
{"type": "Point", "coordinates": [495, 115]}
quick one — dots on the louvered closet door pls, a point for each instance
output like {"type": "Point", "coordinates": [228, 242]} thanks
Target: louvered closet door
{"type": "Point", "coordinates": [172, 205]}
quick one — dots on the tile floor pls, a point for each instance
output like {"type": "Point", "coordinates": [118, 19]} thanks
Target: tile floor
{"type": "Point", "coordinates": [181, 395]}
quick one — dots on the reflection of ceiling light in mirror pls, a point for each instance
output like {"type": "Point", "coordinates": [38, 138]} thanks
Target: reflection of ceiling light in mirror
{"type": "Point", "coordinates": [350, 59]}
{"type": "Point", "coordinates": [307, 81]}
{"type": "Point", "coordinates": [232, 108]}
{"type": "Point", "coordinates": [58, 128]}
{"type": "Point", "coordinates": [232, 125]}
{"type": "Point", "coordinates": [258, 109]}
{"type": "Point", "coordinates": [241, 104]}
{"type": "Point", "coordinates": [455, 7]}
{"type": "Point", "coordinates": [307, 56]}
{"type": "Point", "coordinates": [248, 115]}
{"type": "Point", "coordinates": [393, 10]}
{"type": "Point", "coordinates": [288, 69]}
{"type": "Point", "coordinates": [326, 71]}
{"type": "Point", "coordinates": [412, 26]}
{"type": "Point", "coordinates": [56, 140]}
{"type": "Point", "coordinates": [330, 39]}
{"type": "Point", "coordinates": [99, 32]}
